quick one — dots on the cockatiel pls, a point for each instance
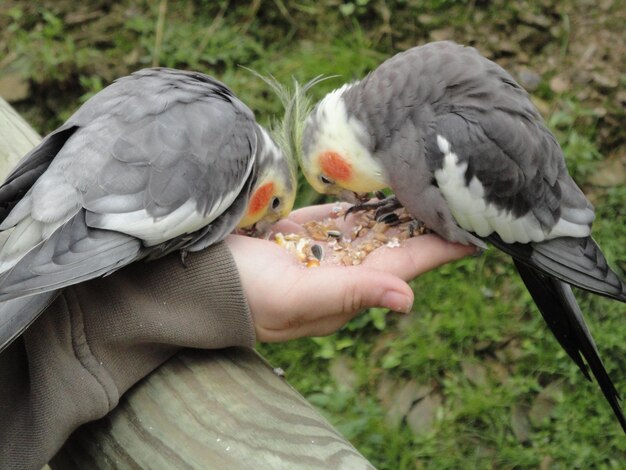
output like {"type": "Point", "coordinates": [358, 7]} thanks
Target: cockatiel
{"type": "Point", "coordinates": [467, 154]}
{"type": "Point", "coordinates": [160, 160]}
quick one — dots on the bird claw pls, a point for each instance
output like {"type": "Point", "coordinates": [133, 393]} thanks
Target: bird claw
{"type": "Point", "coordinates": [183, 257]}
{"type": "Point", "coordinates": [388, 218]}
{"type": "Point", "coordinates": [383, 206]}
{"type": "Point", "coordinates": [415, 226]}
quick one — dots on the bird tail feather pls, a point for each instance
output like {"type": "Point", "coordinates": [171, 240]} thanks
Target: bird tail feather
{"type": "Point", "coordinates": [576, 261]}
{"type": "Point", "coordinates": [561, 312]}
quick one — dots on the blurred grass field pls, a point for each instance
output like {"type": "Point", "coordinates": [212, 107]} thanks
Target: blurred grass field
{"type": "Point", "coordinates": [472, 378]}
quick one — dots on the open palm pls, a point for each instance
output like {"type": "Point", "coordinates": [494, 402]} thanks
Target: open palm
{"type": "Point", "coordinates": [288, 300]}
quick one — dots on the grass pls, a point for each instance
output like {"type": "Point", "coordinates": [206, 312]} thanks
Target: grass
{"type": "Point", "coordinates": [471, 317]}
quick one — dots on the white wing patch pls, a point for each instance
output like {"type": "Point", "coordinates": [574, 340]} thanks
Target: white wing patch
{"type": "Point", "coordinates": [475, 214]}
{"type": "Point", "coordinates": [152, 231]}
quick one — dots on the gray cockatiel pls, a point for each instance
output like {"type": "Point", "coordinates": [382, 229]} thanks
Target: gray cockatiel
{"type": "Point", "coordinates": [468, 155]}
{"type": "Point", "coordinates": [158, 161]}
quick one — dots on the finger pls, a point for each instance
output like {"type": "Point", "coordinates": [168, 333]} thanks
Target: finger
{"type": "Point", "coordinates": [286, 226]}
{"type": "Point", "coordinates": [342, 290]}
{"type": "Point", "coordinates": [318, 212]}
{"type": "Point", "coordinates": [319, 327]}
{"type": "Point", "coordinates": [416, 256]}
{"type": "Point", "coordinates": [328, 298]}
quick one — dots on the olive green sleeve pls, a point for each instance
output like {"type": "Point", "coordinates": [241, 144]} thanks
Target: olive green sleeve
{"type": "Point", "coordinates": [99, 338]}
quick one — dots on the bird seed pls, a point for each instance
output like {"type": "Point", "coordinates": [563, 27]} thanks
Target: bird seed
{"type": "Point", "coordinates": [348, 249]}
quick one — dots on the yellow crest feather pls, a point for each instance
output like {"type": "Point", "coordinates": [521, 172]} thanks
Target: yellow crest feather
{"type": "Point", "coordinates": [287, 132]}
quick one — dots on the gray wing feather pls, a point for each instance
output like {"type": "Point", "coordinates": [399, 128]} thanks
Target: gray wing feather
{"type": "Point", "coordinates": [30, 168]}
{"type": "Point", "coordinates": [73, 254]}
{"type": "Point", "coordinates": [447, 89]}
{"type": "Point", "coordinates": [16, 315]}
{"type": "Point", "coordinates": [149, 143]}
{"type": "Point", "coordinates": [580, 262]}
{"type": "Point", "coordinates": [223, 225]}
{"type": "Point", "coordinates": [522, 173]}
{"type": "Point", "coordinates": [577, 261]}
{"type": "Point", "coordinates": [211, 155]}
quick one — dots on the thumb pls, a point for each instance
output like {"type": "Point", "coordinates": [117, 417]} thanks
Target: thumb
{"type": "Point", "coordinates": [347, 291]}
{"type": "Point", "coordinates": [322, 300]}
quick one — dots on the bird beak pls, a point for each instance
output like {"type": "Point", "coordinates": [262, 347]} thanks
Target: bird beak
{"type": "Point", "coordinates": [352, 197]}
{"type": "Point", "coordinates": [263, 227]}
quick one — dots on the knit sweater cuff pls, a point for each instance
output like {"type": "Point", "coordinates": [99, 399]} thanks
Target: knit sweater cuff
{"type": "Point", "coordinates": [139, 318]}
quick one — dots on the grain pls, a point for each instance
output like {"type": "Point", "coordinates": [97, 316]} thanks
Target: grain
{"type": "Point", "coordinates": [345, 248]}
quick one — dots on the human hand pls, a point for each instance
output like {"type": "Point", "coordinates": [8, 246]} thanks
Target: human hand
{"type": "Point", "coordinates": [289, 301]}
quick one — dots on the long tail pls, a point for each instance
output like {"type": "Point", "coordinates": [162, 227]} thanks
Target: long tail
{"type": "Point", "coordinates": [576, 261]}
{"type": "Point", "coordinates": [17, 314]}
{"type": "Point", "coordinates": [561, 312]}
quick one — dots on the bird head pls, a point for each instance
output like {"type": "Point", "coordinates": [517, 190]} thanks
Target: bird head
{"type": "Point", "coordinates": [274, 191]}
{"type": "Point", "coordinates": [276, 185]}
{"type": "Point", "coordinates": [337, 153]}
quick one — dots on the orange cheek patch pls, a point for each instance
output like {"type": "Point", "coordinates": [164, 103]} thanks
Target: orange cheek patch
{"type": "Point", "coordinates": [335, 167]}
{"type": "Point", "coordinates": [260, 198]}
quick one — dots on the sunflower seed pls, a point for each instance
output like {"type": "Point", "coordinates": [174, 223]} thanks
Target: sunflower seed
{"type": "Point", "coordinates": [317, 251]}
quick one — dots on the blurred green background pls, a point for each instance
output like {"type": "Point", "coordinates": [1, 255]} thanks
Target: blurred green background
{"type": "Point", "coordinates": [472, 378]}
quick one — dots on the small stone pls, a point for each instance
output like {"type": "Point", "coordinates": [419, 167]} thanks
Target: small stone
{"type": "Point", "coordinates": [421, 418]}
{"type": "Point", "coordinates": [599, 112]}
{"type": "Point", "coordinates": [510, 353]}
{"type": "Point", "coordinates": [520, 423]}
{"type": "Point", "coordinates": [13, 87]}
{"type": "Point", "coordinates": [474, 372]}
{"type": "Point", "coordinates": [341, 370]}
{"type": "Point", "coordinates": [401, 397]}
{"type": "Point", "coordinates": [442, 34]}
{"type": "Point", "coordinates": [279, 371]}
{"type": "Point", "coordinates": [542, 105]}
{"type": "Point", "coordinates": [425, 18]}
{"type": "Point", "coordinates": [546, 463]}
{"type": "Point", "coordinates": [506, 47]}
{"type": "Point", "coordinates": [482, 345]}
{"type": "Point", "coordinates": [544, 403]}
{"type": "Point", "coordinates": [529, 79]}
{"type": "Point", "coordinates": [604, 81]}
{"type": "Point", "coordinates": [559, 84]}
{"type": "Point", "coordinates": [541, 21]}
{"type": "Point", "coordinates": [610, 172]}
{"type": "Point", "coordinates": [497, 370]}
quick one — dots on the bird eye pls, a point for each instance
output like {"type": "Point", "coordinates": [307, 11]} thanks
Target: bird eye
{"type": "Point", "coordinates": [275, 203]}
{"type": "Point", "coordinates": [325, 180]}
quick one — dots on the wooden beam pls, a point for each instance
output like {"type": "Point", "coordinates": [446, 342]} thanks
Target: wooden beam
{"type": "Point", "coordinates": [211, 409]}
{"type": "Point", "coordinates": [222, 409]}
{"type": "Point", "coordinates": [16, 138]}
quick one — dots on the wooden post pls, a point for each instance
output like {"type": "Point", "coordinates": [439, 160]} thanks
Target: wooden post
{"type": "Point", "coordinates": [16, 138]}
{"type": "Point", "coordinates": [211, 409]}
{"type": "Point", "coordinates": [222, 409]}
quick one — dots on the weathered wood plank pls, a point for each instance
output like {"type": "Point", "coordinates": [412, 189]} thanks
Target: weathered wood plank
{"type": "Point", "coordinates": [211, 409]}
{"type": "Point", "coordinates": [16, 138]}
{"type": "Point", "coordinates": [202, 409]}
